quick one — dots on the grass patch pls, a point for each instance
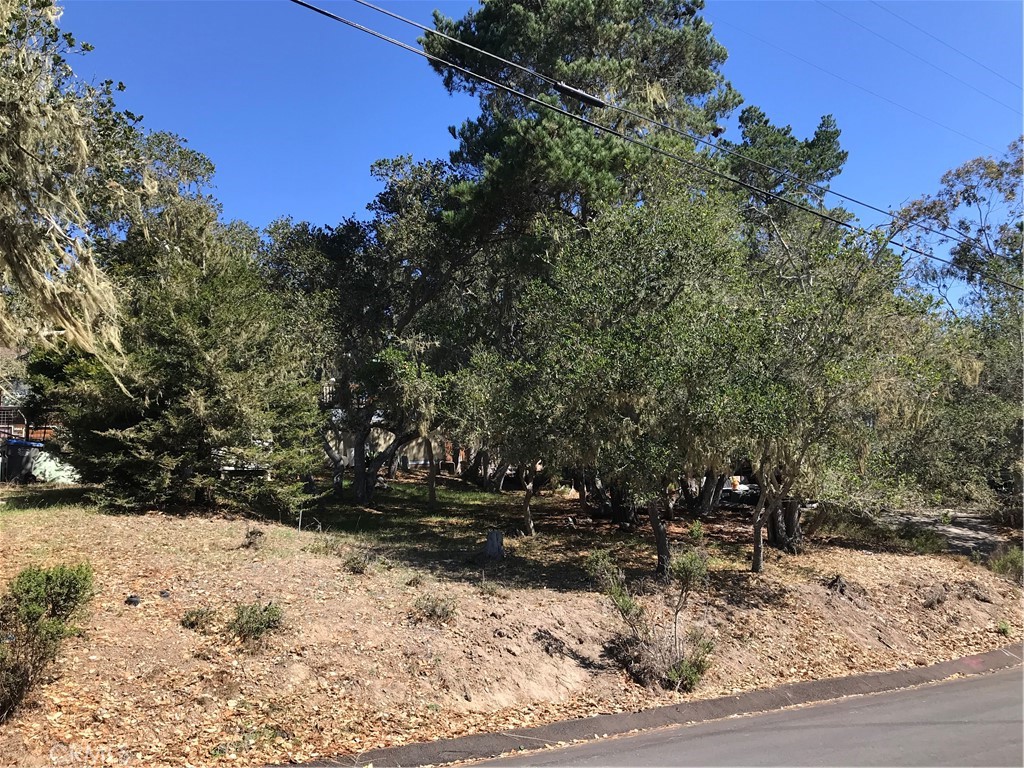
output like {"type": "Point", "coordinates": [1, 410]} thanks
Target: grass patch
{"type": "Point", "coordinates": [862, 529]}
{"type": "Point", "coordinates": [35, 618]}
{"type": "Point", "coordinates": [492, 589]}
{"type": "Point", "coordinates": [1009, 562]}
{"type": "Point", "coordinates": [253, 621]}
{"type": "Point", "coordinates": [434, 609]}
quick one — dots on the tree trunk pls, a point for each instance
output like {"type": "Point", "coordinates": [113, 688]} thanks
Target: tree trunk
{"type": "Point", "coordinates": [337, 466]}
{"type": "Point", "coordinates": [431, 474]}
{"type": "Point", "coordinates": [365, 481]}
{"type": "Point", "coordinates": [623, 511]}
{"type": "Point", "coordinates": [456, 459]}
{"type": "Point", "coordinates": [688, 496]}
{"type": "Point", "coordinates": [660, 537]}
{"type": "Point", "coordinates": [362, 486]}
{"type": "Point", "coordinates": [707, 491]}
{"type": "Point", "coordinates": [528, 479]}
{"type": "Point", "coordinates": [776, 527]}
{"type": "Point", "coordinates": [581, 489]}
{"type": "Point", "coordinates": [471, 471]}
{"type": "Point", "coordinates": [716, 497]}
{"type": "Point", "coordinates": [791, 522]}
{"type": "Point", "coordinates": [393, 466]}
{"type": "Point", "coordinates": [757, 564]}
{"type": "Point", "coordinates": [497, 480]}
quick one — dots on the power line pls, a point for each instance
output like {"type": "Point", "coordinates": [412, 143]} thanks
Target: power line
{"type": "Point", "coordinates": [909, 52]}
{"type": "Point", "coordinates": [868, 91]}
{"type": "Point", "coordinates": [937, 39]}
{"type": "Point", "coordinates": [600, 103]}
{"type": "Point", "coordinates": [625, 137]}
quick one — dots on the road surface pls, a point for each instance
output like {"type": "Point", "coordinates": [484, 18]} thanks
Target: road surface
{"type": "Point", "coordinates": [976, 721]}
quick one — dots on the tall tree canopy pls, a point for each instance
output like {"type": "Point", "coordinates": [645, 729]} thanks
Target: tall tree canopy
{"type": "Point", "coordinates": [66, 170]}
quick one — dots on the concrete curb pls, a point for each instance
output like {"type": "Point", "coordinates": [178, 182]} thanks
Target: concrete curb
{"type": "Point", "coordinates": [485, 745]}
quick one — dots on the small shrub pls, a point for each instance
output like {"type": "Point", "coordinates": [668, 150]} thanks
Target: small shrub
{"type": "Point", "coordinates": [253, 621]}
{"type": "Point", "coordinates": [253, 538]}
{"type": "Point", "coordinates": [34, 617]}
{"type": "Point", "coordinates": [1009, 562]}
{"type": "Point", "coordinates": [358, 561]}
{"type": "Point", "coordinates": [1003, 628]}
{"type": "Point", "coordinates": [653, 657]}
{"type": "Point", "coordinates": [199, 619]}
{"type": "Point", "coordinates": [696, 532]}
{"type": "Point", "coordinates": [490, 589]}
{"type": "Point", "coordinates": [612, 581]}
{"type": "Point", "coordinates": [327, 544]}
{"type": "Point", "coordinates": [414, 581]}
{"type": "Point", "coordinates": [923, 541]}
{"type": "Point", "coordinates": [688, 669]}
{"type": "Point", "coordinates": [54, 593]}
{"type": "Point", "coordinates": [434, 608]}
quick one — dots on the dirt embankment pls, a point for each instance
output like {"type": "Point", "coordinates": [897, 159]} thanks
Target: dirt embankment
{"type": "Point", "coordinates": [356, 665]}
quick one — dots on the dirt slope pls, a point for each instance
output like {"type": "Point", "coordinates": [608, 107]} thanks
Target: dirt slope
{"type": "Point", "coordinates": [354, 666]}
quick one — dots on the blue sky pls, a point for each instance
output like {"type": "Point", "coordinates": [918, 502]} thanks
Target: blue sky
{"type": "Point", "coordinates": [293, 108]}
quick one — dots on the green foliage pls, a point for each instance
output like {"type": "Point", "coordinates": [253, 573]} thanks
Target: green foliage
{"type": "Point", "coordinates": [34, 616]}
{"type": "Point", "coordinates": [326, 543]}
{"type": "Point", "coordinates": [1003, 628]}
{"type": "Point", "coordinates": [358, 561]}
{"type": "Point", "coordinates": [67, 171]}
{"type": "Point", "coordinates": [253, 621]}
{"type": "Point", "coordinates": [199, 619]}
{"type": "Point", "coordinates": [695, 533]}
{"type": "Point", "coordinates": [436, 609]}
{"type": "Point", "coordinates": [1009, 562]}
{"type": "Point", "coordinates": [689, 570]}
{"type": "Point", "coordinates": [965, 435]}
{"type": "Point", "coordinates": [492, 589]}
{"type": "Point", "coordinates": [210, 402]}
{"type": "Point", "coordinates": [51, 593]}
{"type": "Point", "coordinates": [685, 672]}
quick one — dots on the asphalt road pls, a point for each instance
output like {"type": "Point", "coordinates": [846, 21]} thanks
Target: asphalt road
{"type": "Point", "coordinates": [976, 721]}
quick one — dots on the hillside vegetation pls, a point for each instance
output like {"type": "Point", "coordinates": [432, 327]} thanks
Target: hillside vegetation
{"type": "Point", "coordinates": [394, 629]}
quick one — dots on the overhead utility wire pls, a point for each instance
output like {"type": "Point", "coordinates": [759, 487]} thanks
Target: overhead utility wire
{"type": "Point", "coordinates": [909, 52]}
{"type": "Point", "coordinates": [623, 136]}
{"type": "Point", "coordinates": [858, 86]}
{"type": "Point", "coordinates": [597, 102]}
{"type": "Point", "coordinates": [937, 39]}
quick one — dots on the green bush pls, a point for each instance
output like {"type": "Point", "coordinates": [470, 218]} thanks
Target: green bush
{"type": "Point", "coordinates": [1009, 562]}
{"type": "Point", "coordinates": [253, 621]}
{"type": "Point", "coordinates": [1003, 628]}
{"type": "Point", "coordinates": [54, 593]}
{"type": "Point", "coordinates": [34, 616]}
{"type": "Point", "coordinates": [696, 532]}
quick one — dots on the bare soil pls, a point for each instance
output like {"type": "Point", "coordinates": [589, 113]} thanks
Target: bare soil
{"type": "Point", "coordinates": [357, 666]}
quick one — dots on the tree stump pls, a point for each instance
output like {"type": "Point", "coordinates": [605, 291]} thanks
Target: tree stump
{"type": "Point", "coordinates": [495, 546]}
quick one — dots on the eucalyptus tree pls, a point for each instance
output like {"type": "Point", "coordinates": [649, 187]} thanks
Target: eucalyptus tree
{"type": "Point", "coordinates": [968, 442]}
